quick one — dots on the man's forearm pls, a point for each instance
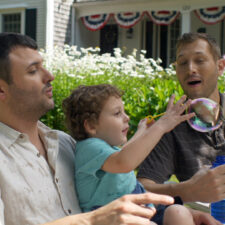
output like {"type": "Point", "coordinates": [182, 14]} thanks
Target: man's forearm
{"type": "Point", "coordinates": [172, 189]}
{"type": "Point", "coordinates": [207, 185]}
{"type": "Point", "coordinates": [84, 219]}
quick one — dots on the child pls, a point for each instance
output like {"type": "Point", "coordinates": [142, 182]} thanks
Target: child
{"type": "Point", "coordinates": [96, 118]}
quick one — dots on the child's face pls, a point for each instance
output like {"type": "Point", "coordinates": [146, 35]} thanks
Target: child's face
{"type": "Point", "coordinates": [112, 125]}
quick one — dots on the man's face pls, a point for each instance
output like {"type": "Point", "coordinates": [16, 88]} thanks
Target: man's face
{"type": "Point", "coordinates": [30, 93]}
{"type": "Point", "coordinates": [197, 70]}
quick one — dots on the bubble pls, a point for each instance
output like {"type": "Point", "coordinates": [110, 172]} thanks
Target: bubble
{"type": "Point", "coordinates": [208, 115]}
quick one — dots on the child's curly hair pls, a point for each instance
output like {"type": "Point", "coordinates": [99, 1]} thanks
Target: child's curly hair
{"type": "Point", "coordinates": [86, 103]}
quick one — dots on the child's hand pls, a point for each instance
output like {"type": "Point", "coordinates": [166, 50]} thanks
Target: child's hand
{"type": "Point", "coordinates": [174, 114]}
{"type": "Point", "coordinates": [142, 127]}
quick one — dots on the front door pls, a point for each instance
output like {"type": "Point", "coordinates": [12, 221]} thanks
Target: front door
{"type": "Point", "coordinates": [108, 38]}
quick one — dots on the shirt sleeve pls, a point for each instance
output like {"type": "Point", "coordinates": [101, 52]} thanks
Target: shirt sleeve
{"type": "Point", "coordinates": [159, 165]}
{"type": "Point", "coordinates": [91, 155]}
{"type": "Point", "coordinates": [2, 219]}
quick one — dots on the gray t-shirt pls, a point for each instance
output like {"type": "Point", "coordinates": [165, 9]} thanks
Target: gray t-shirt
{"type": "Point", "coordinates": [182, 152]}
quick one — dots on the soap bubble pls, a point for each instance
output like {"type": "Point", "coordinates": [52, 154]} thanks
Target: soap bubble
{"type": "Point", "coordinates": [208, 115]}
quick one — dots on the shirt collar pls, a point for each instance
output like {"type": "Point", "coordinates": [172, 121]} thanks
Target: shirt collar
{"type": "Point", "coordinates": [9, 135]}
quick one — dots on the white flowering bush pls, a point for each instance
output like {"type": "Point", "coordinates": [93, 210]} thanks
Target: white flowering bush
{"type": "Point", "coordinates": [146, 85]}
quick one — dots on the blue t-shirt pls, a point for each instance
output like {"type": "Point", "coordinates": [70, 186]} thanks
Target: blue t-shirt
{"type": "Point", "coordinates": [94, 186]}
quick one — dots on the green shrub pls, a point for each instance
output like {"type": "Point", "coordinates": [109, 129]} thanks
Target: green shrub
{"type": "Point", "coordinates": [147, 86]}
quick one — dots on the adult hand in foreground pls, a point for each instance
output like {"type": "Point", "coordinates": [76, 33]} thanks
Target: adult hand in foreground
{"type": "Point", "coordinates": [207, 185]}
{"type": "Point", "coordinates": [127, 210]}
{"type": "Point", "coordinates": [201, 218]}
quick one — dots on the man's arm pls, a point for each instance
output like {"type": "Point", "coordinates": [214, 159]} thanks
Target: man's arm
{"type": "Point", "coordinates": [173, 189]}
{"type": "Point", "coordinates": [203, 218]}
{"type": "Point", "coordinates": [207, 185]}
{"type": "Point", "coordinates": [169, 188]}
{"type": "Point", "coordinates": [2, 219]}
{"type": "Point", "coordinates": [125, 210]}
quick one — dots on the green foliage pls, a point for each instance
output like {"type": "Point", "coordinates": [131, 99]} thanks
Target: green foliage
{"type": "Point", "coordinates": [142, 96]}
{"type": "Point", "coordinates": [147, 86]}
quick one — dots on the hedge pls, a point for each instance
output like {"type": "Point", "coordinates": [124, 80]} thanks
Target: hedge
{"type": "Point", "coordinates": [146, 85]}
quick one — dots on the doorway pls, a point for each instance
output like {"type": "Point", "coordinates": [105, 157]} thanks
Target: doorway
{"type": "Point", "coordinates": [108, 38]}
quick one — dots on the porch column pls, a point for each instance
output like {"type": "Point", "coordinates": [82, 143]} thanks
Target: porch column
{"type": "Point", "coordinates": [49, 29]}
{"type": "Point", "coordinates": [73, 26]}
{"type": "Point", "coordinates": [185, 21]}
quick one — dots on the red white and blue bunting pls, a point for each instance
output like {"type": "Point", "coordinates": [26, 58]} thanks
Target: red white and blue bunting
{"type": "Point", "coordinates": [211, 15]}
{"type": "Point", "coordinates": [163, 17]}
{"type": "Point", "coordinates": [95, 22]}
{"type": "Point", "coordinates": [128, 19]}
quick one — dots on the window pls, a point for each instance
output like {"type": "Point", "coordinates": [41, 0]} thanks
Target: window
{"type": "Point", "coordinates": [174, 34]}
{"type": "Point", "coordinates": [22, 21]}
{"type": "Point", "coordinates": [161, 41]}
{"type": "Point", "coordinates": [11, 22]}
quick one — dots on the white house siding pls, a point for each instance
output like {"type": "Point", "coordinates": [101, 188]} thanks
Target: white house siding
{"type": "Point", "coordinates": [85, 38]}
{"type": "Point", "coordinates": [14, 5]}
{"type": "Point", "coordinates": [213, 30]}
{"type": "Point", "coordinates": [62, 22]}
{"type": "Point", "coordinates": [131, 43]}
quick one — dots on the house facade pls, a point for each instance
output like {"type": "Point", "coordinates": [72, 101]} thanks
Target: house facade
{"type": "Point", "coordinates": [156, 24]}
{"type": "Point", "coordinates": [151, 25]}
{"type": "Point", "coordinates": [46, 21]}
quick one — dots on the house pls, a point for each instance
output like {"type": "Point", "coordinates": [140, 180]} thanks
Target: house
{"type": "Point", "coordinates": [47, 21]}
{"type": "Point", "coordinates": [153, 25]}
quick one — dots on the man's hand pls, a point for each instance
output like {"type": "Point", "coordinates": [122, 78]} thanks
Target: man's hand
{"type": "Point", "coordinates": [207, 185]}
{"type": "Point", "coordinates": [201, 218]}
{"type": "Point", "coordinates": [129, 210]}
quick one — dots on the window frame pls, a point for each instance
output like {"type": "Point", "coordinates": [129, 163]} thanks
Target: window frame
{"type": "Point", "coordinates": [174, 33]}
{"type": "Point", "coordinates": [20, 11]}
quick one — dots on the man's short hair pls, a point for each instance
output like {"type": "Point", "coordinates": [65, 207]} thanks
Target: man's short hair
{"type": "Point", "coordinates": [188, 38]}
{"type": "Point", "coordinates": [8, 42]}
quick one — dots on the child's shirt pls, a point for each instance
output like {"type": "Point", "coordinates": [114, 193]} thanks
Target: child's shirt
{"type": "Point", "coordinates": [94, 186]}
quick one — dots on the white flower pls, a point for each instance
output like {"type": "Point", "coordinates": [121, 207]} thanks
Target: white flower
{"type": "Point", "coordinates": [87, 61]}
{"type": "Point", "coordinates": [143, 52]}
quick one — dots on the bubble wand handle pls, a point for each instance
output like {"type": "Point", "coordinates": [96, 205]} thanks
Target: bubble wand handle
{"type": "Point", "coordinates": [150, 118]}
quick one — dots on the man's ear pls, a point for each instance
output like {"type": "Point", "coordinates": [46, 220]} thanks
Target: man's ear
{"type": "Point", "coordinates": [221, 66]}
{"type": "Point", "coordinates": [3, 89]}
{"type": "Point", "coordinates": [90, 127]}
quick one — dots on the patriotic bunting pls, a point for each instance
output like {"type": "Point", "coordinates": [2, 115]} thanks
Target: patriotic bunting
{"type": "Point", "coordinates": [211, 15]}
{"type": "Point", "coordinates": [128, 19]}
{"type": "Point", "coordinates": [95, 22]}
{"type": "Point", "coordinates": [163, 17]}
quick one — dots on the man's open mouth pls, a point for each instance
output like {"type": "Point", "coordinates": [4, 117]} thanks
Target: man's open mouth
{"type": "Point", "coordinates": [194, 82]}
